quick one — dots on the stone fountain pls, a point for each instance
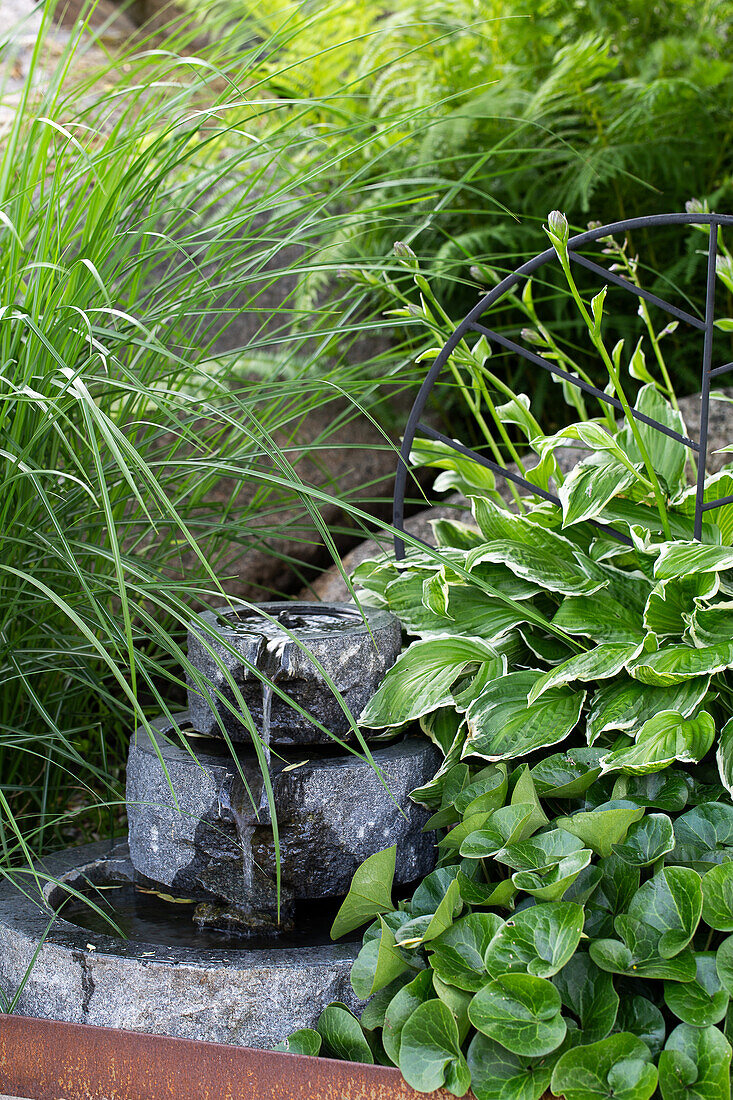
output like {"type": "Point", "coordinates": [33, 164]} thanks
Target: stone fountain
{"type": "Point", "coordinates": [205, 945]}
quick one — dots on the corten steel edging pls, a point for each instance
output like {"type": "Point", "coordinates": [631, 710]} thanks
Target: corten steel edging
{"type": "Point", "coordinates": [51, 1060]}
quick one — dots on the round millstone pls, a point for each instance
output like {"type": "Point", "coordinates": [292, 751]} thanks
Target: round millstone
{"type": "Point", "coordinates": [352, 653]}
{"type": "Point", "coordinates": [332, 812]}
{"type": "Point", "coordinates": [252, 998]}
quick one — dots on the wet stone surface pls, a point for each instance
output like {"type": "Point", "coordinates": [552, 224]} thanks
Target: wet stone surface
{"type": "Point", "coordinates": [353, 655]}
{"type": "Point", "coordinates": [333, 812]}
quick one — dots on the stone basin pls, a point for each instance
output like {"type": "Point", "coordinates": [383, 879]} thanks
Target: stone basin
{"type": "Point", "coordinates": [353, 653]}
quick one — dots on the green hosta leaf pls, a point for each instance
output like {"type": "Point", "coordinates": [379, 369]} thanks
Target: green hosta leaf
{"type": "Point", "coordinates": [520, 1012]}
{"type": "Point", "coordinates": [600, 663]}
{"type": "Point", "coordinates": [675, 663]}
{"type": "Point", "coordinates": [304, 1041]}
{"type": "Point", "coordinates": [458, 954]}
{"type": "Point", "coordinates": [717, 486]}
{"type": "Point", "coordinates": [642, 1018]}
{"type": "Point", "coordinates": [590, 485]}
{"type": "Point", "coordinates": [342, 1035]}
{"type": "Point", "coordinates": [497, 1074]}
{"type": "Point", "coordinates": [541, 566]}
{"type": "Point", "coordinates": [421, 678]}
{"type": "Point", "coordinates": [430, 1053]}
{"type": "Point", "coordinates": [602, 617]}
{"type": "Point", "coordinates": [618, 1066]}
{"type": "Point", "coordinates": [497, 830]}
{"type": "Point", "coordinates": [671, 903]}
{"type": "Point", "coordinates": [567, 774]}
{"type": "Point", "coordinates": [647, 841]}
{"type": "Point", "coordinates": [658, 790]}
{"type": "Point", "coordinates": [695, 1065]}
{"type": "Point", "coordinates": [455, 535]}
{"type": "Point", "coordinates": [702, 1002]}
{"type": "Point", "coordinates": [704, 835]}
{"type": "Point", "coordinates": [681, 559]}
{"type": "Point", "coordinates": [370, 892]}
{"type": "Point", "coordinates": [466, 474]}
{"type": "Point", "coordinates": [401, 1007]}
{"type": "Point", "coordinates": [661, 740]}
{"type": "Point", "coordinates": [502, 726]}
{"type": "Point", "coordinates": [603, 827]}
{"type": "Point", "coordinates": [539, 940]}
{"type": "Point", "coordinates": [717, 897]}
{"type": "Point", "coordinates": [712, 625]}
{"type": "Point", "coordinates": [667, 605]}
{"type": "Point", "coordinates": [724, 756]}
{"type": "Point", "coordinates": [589, 994]}
{"type": "Point", "coordinates": [626, 704]}
{"type": "Point", "coordinates": [377, 964]}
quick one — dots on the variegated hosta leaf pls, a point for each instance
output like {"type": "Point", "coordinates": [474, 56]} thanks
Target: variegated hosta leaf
{"type": "Point", "coordinates": [711, 625]}
{"type": "Point", "coordinates": [626, 704]}
{"type": "Point", "coordinates": [666, 737]}
{"type": "Point", "coordinates": [680, 559]}
{"type": "Point", "coordinates": [455, 534]}
{"type": "Point", "coordinates": [543, 567]}
{"type": "Point", "coordinates": [600, 617]}
{"type": "Point", "coordinates": [590, 485]}
{"type": "Point", "coordinates": [674, 663]}
{"type": "Point", "coordinates": [461, 473]}
{"type": "Point", "coordinates": [420, 680]}
{"type": "Point", "coordinates": [672, 602]}
{"type": "Point", "coordinates": [596, 664]}
{"type": "Point", "coordinates": [503, 726]}
{"type": "Point", "coordinates": [534, 529]}
{"type": "Point", "coordinates": [724, 755]}
{"type": "Point", "coordinates": [717, 486]}
{"type": "Point", "coordinates": [595, 436]}
{"type": "Point", "coordinates": [470, 611]}
{"type": "Point", "coordinates": [668, 456]}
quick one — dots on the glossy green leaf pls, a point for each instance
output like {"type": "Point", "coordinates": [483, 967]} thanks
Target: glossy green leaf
{"type": "Point", "coordinates": [603, 827]}
{"type": "Point", "coordinates": [647, 840]}
{"type": "Point", "coordinates": [724, 964]}
{"type": "Point", "coordinates": [642, 1018]}
{"type": "Point", "coordinates": [671, 903]}
{"type": "Point", "coordinates": [717, 897]}
{"type": "Point", "coordinates": [618, 1066]}
{"type": "Point", "coordinates": [552, 883]}
{"type": "Point", "coordinates": [724, 755]}
{"type": "Point", "coordinates": [636, 954]}
{"type": "Point", "coordinates": [342, 1035]}
{"type": "Point", "coordinates": [589, 994]}
{"type": "Point", "coordinates": [665, 790]}
{"type": "Point", "coordinates": [304, 1041]}
{"type": "Point", "coordinates": [567, 774]}
{"type": "Point", "coordinates": [457, 955]}
{"type": "Point", "coordinates": [430, 1054]}
{"type": "Point", "coordinates": [668, 456]}
{"type": "Point", "coordinates": [695, 1065]}
{"type": "Point", "coordinates": [401, 1007]}
{"type": "Point", "coordinates": [432, 890]}
{"type": "Point", "coordinates": [426, 927]}
{"type": "Point", "coordinates": [485, 794]}
{"type": "Point", "coordinates": [539, 940]}
{"type": "Point", "coordinates": [540, 851]}
{"type": "Point", "coordinates": [704, 835]}
{"type": "Point", "coordinates": [520, 1012]}
{"type": "Point", "coordinates": [702, 1002]}
{"type": "Point", "coordinates": [601, 617]}
{"type": "Point", "coordinates": [370, 893]}
{"type": "Point", "coordinates": [377, 964]}
{"type": "Point", "coordinates": [503, 726]}
{"type": "Point", "coordinates": [497, 830]}
{"type": "Point", "coordinates": [497, 1074]}
{"type": "Point", "coordinates": [663, 739]}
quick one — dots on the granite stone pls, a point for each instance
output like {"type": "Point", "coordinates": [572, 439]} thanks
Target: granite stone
{"type": "Point", "coordinates": [353, 653]}
{"type": "Point", "coordinates": [193, 828]}
{"type": "Point", "coordinates": [251, 998]}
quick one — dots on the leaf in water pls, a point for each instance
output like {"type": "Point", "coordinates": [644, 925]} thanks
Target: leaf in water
{"type": "Point", "coordinates": [618, 1066]}
{"type": "Point", "coordinates": [458, 953]}
{"type": "Point", "coordinates": [539, 940]}
{"type": "Point", "coordinates": [603, 827]}
{"type": "Point", "coordinates": [303, 1041]}
{"type": "Point", "coordinates": [589, 994]}
{"type": "Point", "coordinates": [401, 1008]}
{"type": "Point", "coordinates": [695, 1065]}
{"type": "Point", "coordinates": [503, 726]}
{"type": "Point", "coordinates": [162, 895]}
{"type": "Point", "coordinates": [370, 892]}
{"type": "Point", "coordinates": [666, 737]}
{"type": "Point", "coordinates": [421, 678]}
{"type": "Point", "coordinates": [521, 1012]}
{"type": "Point", "coordinates": [497, 1074]}
{"type": "Point", "coordinates": [342, 1035]}
{"type": "Point", "coordinates": [702, 1002]}
{"type": "Point", "coordinates": [647, 841]}
{"type": "Point", "coordinates": [430, 1053]}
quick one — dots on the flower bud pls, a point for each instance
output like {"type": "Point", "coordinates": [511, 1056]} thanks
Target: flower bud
{"type": "Point", "coordinates": [403, 252]}
{"type": "Point", "coordinates": [557, 227]}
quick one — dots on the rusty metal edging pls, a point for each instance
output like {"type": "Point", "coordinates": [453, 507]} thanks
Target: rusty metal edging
{"type": "Point", "coordinates": [52, 1060]}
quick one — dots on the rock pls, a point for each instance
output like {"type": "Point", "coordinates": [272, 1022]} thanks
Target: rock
{"type": "Point", "coordinates": [251, 998]}
{"type": "Point", "coordinates": [332, 812]}
{"type": "Point", "coordinates": [355, 655]}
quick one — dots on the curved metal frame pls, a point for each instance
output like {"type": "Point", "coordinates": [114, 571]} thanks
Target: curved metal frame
{"type": "Point", "coordinates": [471, 323]}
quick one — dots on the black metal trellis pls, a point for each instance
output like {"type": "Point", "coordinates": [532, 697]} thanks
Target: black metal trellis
{"type": "Point", "coordinates": [472, 323]}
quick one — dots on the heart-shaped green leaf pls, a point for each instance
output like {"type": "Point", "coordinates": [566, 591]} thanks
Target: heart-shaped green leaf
{"type": "Point", "coordinates": [304, 1041]}
{"type": "Point", "coordinates": [666, 790]}
{"type": "Point", "coordinates": [430, 1052]}
{"type": "Point", "coordinates": [552, 883]}
{"type": "Point", "coordinates": [458, 954]}
{"type": "Point", "coordinates": [497, 830]}
{"type": "Point", "coordinates": [695, 1065]}
{"type": "Point", "coordinates": [567, 774]}
{"type": "Point", "coordinates": [603, 827]}
{"type": "Point", "coordinates": [642, 1018]}
{"type": "Point", "coordinates": [637, 953]}
{"type": "Point", "coordinates": [539, 940]}
{"type": "Point", "coordinates": [617, 1066]}
{"type": "Point", "coordinates": [671, 903]}
{"type": "Point", "coordinates": [342, 1035]}
{"type": "Point", "coordinates": [497, 1074]}
{"type": "Point", "coordinates": [647, 841]}
{"type": "Point", "coordinates": [520, 1012]}
{"type": "Point", "coordinates": [704, 835]}
{"type": "Point", "coordinates": [370, 892]}
{"type": "Point", "coordinates": [589, 994]}
{"type": "Point", "coordinates": [717, 897]}
{"type": "Point", "coordinates": [702, 1002]}
{"type": "Point", "coordinates": [377, 964]}
{"type": "Point", "coordinates": [401, 1007]}
{"type": "Point", "coordinates": [426, 927]}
